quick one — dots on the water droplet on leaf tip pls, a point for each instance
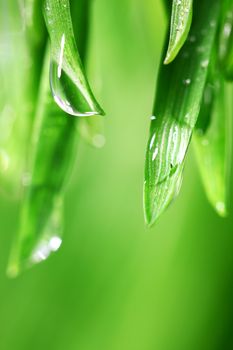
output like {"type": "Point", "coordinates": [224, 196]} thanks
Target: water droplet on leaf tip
{"type": "Point", "coordinates": [55, 243]}
{"type": "Point", "coordinates": [68, 81]}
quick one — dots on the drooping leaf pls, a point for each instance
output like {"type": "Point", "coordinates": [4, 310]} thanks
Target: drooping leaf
{"type": "Point", "coordinates": [226, 40]}
{"type": "Point", "coordinates": [180, 88]}
{"type": "Point", "coordinates": [69, 85]}
{"type": "Point", "coordinates": [181, 19]}
{"type": "Point", "coordinates": [212, 143]}
{"type": "Point", "coordinates": [52, 151]}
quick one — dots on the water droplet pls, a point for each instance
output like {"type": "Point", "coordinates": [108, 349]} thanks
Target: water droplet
{"type": "Point", "coordinates": [187, 81]}
{"type": "Point", "coordinates": [155, 153]}
{"type": "Point", "coordinates": [55, 243]}
{"type": "Point", "coordinates": [70, 88]}
{"type": "Point", "coordinates": [153, 117]}
{"type": "Point", "coordinates": [45, 248]}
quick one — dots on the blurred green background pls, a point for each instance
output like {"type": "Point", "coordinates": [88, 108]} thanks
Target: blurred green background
{"type": "Point", "coordinates": [115, 285]}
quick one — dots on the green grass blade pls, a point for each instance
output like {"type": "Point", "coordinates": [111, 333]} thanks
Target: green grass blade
{"type": "Point", "coordinates": [179, 94]}
{"type": "Point", "coordinates": [226, 41]}
{"type": "Point", "coordinates": [52, 151]}
{"type": "Point", "coordinates": [181, 20]}
{"type": "Point", "coordinates": [68, 81]}
{"type": "Point", "coordinates": [212, 143]}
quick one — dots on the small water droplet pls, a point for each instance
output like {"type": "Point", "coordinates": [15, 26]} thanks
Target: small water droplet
{"type": "Point", "coordinates": [55, 243]}
{"type": "Point", "coordinates": [187, 81]}
{"type": "Point", "coordinates": [153, 117]}
{"type": "Point", "coordinates": [45, 248]}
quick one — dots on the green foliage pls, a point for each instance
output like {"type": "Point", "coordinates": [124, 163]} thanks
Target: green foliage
{"type": "Point", "coordinates": [191, 95]}
{"type": "Point", "coordinates": [179, 94]}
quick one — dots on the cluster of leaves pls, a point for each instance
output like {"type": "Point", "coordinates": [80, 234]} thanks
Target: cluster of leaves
{"type": "Point", "coordinates": [193, 99]}
{"type": "Point", "coordinates": [38, 153]}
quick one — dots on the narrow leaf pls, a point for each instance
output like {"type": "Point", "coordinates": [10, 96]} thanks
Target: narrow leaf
{"type": "Point", "coordinates": [212, 143]}
{"type": "Point", "coordinates": [52, 151]}
{"type": "Point", "coordinates": [179, 94]}
{"type": "Point", "coordinates": [70, 88]}
{"type": "Point", "coordinates": [181, 20]}
{"type": "Point", "coordinates": [226, 41]}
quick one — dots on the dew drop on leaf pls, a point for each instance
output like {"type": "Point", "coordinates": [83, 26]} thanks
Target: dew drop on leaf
{"type": "Point", "coordinates": [70, 88]}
